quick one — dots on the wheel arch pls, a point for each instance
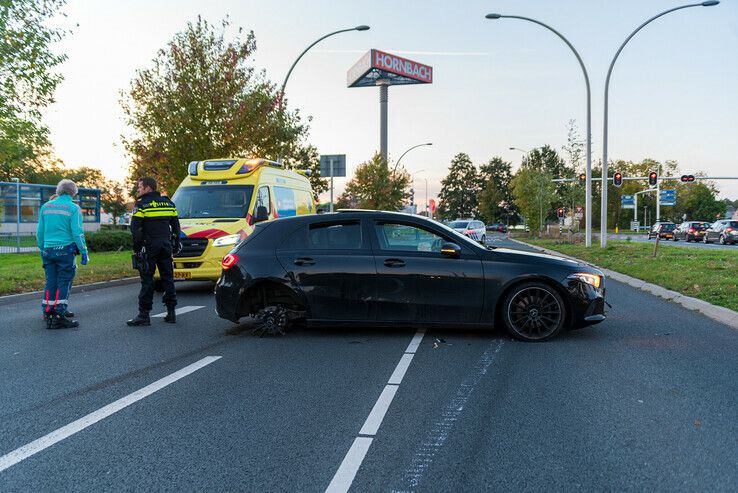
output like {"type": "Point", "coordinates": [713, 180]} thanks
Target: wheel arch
{"type": "Point", "coordinates": [268, 292]}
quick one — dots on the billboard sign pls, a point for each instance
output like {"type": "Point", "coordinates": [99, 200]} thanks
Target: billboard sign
{"type": "Point", "coordinates": [396, 70]}
{"type": "Point", "coordinates": [667, 197]}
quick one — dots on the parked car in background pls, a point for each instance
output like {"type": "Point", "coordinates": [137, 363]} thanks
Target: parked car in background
{"type": "Point", "coordinates": [663, 230]}
{"type": "Point", "coordinates": [497, 227]}
{"type": "Point", "coordinates": [356, 268]}
{"type": "Point", "coordinates": [472, 228]}
{"type": "Point", "coordinates": [724, 231]}
{"type": "Point", "coordinates": [690, 231]}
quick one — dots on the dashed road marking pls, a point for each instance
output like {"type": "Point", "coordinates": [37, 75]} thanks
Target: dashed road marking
{"type": "Point", "coordinates": [36, 446]}
{"type": "Point", "coordinates": [351, 463]}
{"type": "Point", "coordinates": [180, 311]}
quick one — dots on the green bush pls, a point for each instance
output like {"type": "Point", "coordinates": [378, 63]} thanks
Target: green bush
{"type": "Point", "coordinates": [108, 241]}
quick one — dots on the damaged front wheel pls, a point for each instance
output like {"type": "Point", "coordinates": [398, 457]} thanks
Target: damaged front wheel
{"type": "Point", "coordinates": [271, 320]}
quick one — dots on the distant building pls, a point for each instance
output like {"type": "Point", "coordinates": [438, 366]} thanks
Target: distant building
{"type": "Point", "coordinates": [32, 197]}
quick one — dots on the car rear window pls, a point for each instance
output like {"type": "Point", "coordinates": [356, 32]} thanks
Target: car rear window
{"type": "Point", "coordinates": [668, 227]}
{"type": "Point", "coordinates": [459, 224]}
{"type": "Point", "coordinates": [733, 224]}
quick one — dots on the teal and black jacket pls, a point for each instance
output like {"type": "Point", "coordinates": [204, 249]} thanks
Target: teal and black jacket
{"type": "Point", "coordinates": [60, 224]}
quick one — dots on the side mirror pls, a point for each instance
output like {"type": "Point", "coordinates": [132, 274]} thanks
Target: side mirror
{"type": "Point", "coordinates": [451, 250]}
{"type": "Point", "coordinates": [261, 214]}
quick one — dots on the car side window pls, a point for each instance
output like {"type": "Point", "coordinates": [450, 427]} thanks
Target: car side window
{"type": "Point", "coordinates": [335, 236]}
{"type": "Point", "coordinates": [404, 237]}
{"type": "Point", "coordinates": [262, 199]}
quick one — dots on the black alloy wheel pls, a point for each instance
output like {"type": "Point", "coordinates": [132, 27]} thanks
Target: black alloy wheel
{"type": "Point", "coordinates": [271, 320]}
{"type": "Point", "coordinates": [533, 312]}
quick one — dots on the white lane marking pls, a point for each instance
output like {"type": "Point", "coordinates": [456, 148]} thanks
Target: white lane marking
{"type": "Point", "coordinates": [400, 369]}
{"type": "Point", "coordinates": [355, 456]}
{"type": "Point", "coordinates": [413, 346]}
{"type": "Point", "coordinates": [56, 436]}
{"type": "Point", "coordinates": [180, 311]}
{"type": "Point", "coordinates": [350, 466]}
{"type": "Point", "coordinates": [438, 434]}
{"type": "Point", "coordinates": [371, 425]}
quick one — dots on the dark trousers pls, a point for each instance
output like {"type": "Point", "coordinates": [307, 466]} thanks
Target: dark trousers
{"type": "Point", "coordinates": [60, 269]}
{"type": "Point", "coordinates": [159, 253]}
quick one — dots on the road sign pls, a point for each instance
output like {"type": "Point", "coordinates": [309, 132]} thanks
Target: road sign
{"type": "Point", "coordinates": [667, 197]}
{"type": "Point", "coordinates": [635, 225]}
{"type": "Point", "coordinates": [627, 202]}
{"type": "Point", "coordinates": [339, 165]}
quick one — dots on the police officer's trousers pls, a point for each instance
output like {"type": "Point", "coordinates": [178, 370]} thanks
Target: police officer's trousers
{"type": "Point", "coordinates": [159, 254]}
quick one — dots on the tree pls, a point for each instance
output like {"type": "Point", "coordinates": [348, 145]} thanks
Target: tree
{"type": "Point", "coordinates": [113, 199]}
{"type": "Point", "coordinates": [27, 78]}
{"type": "Point", "coordinates": [459, 189]}
{"type": "Point", "coordinates": [698, 201]}
{"type": "Point", "coordinates": [534, 194]}
{"type": "Point", "coordinates": [496, 201]}
{"type": "Point", "coordinates": [374, 186]}
{"type": "Point", "coordinates": [201, 99]}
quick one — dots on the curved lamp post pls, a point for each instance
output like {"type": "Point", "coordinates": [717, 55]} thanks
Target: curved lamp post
{"type": "Point", "coordinates": [284, 84]}
{"type": "Point", "coordinates": [588, 169]}
{"type": "Point", "coordinates": [603, 217]}
{"type": "Point", "coordinates": [403, 154]}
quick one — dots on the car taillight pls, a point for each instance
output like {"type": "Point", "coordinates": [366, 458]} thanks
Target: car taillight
{"type": "Point", "coordinates": [728, 230]}
{"type": "Point", "coordinates": [692, 230]}
{"type": "Point", "coordinates": [229, 260]}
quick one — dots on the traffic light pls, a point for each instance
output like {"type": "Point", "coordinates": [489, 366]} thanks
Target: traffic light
{"type": "Point", "coordinates": [653, 178]}
{"type": "Point", "coordinates": [687, 178]}
{"type": "Point", "coordinates": [560, 212]}
{"type": "Point", "coordinates": [582, 178]}
{"type": "Point", "coordinates": [617, 179]}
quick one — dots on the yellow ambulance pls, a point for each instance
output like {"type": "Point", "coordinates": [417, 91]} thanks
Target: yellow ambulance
{"type": "Point", "coordinates": [221, 200]}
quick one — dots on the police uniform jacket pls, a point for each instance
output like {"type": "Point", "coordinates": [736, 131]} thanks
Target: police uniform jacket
{"type": "Point", "coordinates": [154, 218]}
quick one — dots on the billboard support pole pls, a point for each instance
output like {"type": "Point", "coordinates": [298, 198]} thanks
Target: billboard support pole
{"type": "Point", "coordinates": [383, 100]}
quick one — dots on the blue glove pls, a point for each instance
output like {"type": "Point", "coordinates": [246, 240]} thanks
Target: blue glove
{"type": "Point", "coordinates": [85, 259]}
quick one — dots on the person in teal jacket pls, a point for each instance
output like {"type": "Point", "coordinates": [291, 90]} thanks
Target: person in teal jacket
{"type": "Point", "coordinates": [60, 237]}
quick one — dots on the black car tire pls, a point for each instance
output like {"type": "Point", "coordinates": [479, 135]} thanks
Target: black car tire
{"type": "Point", "coordinates": [722, 240]}
{"type": "Point", "coordinates": [674, 238]}
{"type": "Point", "coordinates": [686, 238]}
{"type": "Point", "coordinates": [484, 239]}
{"type": "Point", "coordinates": [705, 239]}
{"type": "Point", "coordinates": [271, 320]}
{"type": "Point", "coordinates": [533, 312]}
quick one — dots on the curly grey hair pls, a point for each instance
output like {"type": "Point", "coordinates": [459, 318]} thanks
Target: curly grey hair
{"type": "Point", "coordinates": [67, 187]}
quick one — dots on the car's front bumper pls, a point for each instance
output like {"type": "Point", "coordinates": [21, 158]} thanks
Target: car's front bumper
{"type": "Point", "coordinates": [587, 302]}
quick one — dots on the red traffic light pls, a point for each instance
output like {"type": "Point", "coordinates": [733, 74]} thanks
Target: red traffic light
{"type": "Point", "coordinates": [687, 178]}
{"type": "Point", "coordinates": [560, 212]}
{"type": "Point", "coordinates": [582, 177]}
{"type": "Point", "coordinates": [617, 179]}
{"type": "Point", "coordinates": [653, 178]}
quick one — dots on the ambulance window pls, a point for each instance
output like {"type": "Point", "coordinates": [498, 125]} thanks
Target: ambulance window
{"type": "Point", "coordinates": [262, 198]}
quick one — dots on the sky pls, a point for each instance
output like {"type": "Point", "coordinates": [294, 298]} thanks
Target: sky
{"type": "Point", "coordinates": [497, 83]}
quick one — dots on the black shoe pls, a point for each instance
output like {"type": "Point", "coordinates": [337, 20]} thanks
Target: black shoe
{"type": "Point", "coordinates": [171, 316]}
{"type": "Point", "coordinates": [69, 314]}
{"type": "Point", "coordinates": [139, 320]}
{"type": "Point", "coordinates": [61, 322]}
{"type": "Point", "coordinates": [47, 320]}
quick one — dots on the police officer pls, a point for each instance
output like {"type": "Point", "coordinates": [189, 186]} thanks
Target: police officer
{"type": "Point", "coordinates": [155, 229]}
{"type": "Point", "coordinates": [60, 236]}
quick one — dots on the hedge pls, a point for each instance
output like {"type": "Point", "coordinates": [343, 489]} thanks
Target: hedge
{"type": "Point", "coordinates": [107, 241]}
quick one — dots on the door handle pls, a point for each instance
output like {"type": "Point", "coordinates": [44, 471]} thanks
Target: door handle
{"type": "Point", "coordinates": [394, 262]}
{"type": "Point", "coordinates": [304, 261]}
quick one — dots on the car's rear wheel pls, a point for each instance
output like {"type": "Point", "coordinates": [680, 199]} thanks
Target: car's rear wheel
{"type": "Point", "coordinates": [722, 239]}
{"type": "Point", "coordinates": [704, 239]}
{"type": "Point", "coordinates": [533, 312]}
{"type": "Point", "coordinates": [484, 239]}
{"type": "Point", "coordinates": [271, 320]}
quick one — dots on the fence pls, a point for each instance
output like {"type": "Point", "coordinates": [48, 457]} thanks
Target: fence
{"type": "Point", "coordinates": [18, 243]}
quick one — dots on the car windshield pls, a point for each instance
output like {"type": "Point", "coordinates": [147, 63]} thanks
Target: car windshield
{"type": "Point", "coordinates": [459, 224]}
{"type": "Point", "coordinates": [216, 201]}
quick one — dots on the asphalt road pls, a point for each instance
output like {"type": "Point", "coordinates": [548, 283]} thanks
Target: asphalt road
{"type": "Point", "coordinates": [647, 400]}
{"type": "Point", "coordinates": [692, 244]}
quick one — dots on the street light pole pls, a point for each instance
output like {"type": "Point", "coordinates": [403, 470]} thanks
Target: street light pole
{"type": "Point", "coordinates": [603, 216]}
{"type": "Point", "coordinates": [588, 169]}
{"type": "Point", "coordinates": [284, 84]}
{"type": "Point", "coordinates": [403, 154]}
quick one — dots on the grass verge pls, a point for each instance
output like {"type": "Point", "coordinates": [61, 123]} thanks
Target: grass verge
{"type": "Point", "coordinates": [710, 275]}
{"type": "Point", "coordinates": [21, 273]}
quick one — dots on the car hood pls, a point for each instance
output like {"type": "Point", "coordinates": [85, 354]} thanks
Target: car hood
{"type": "Point", "coordinates": [213, 228]}
{"type": "Point", "coordinates": [538, 258]}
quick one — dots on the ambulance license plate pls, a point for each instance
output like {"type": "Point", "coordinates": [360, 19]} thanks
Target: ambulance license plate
{"type": "Point", "coordinates": [182, 275]}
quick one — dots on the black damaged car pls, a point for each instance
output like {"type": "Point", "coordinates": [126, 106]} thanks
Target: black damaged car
{"type": "Point", "coordinates": [391, 269]}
